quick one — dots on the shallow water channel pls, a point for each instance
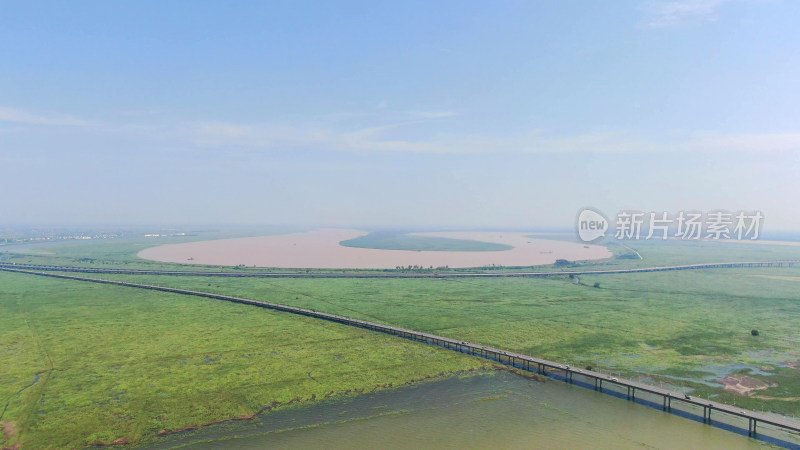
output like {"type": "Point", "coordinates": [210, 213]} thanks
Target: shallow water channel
{"type": "Point", "coordinates": [480, 411]}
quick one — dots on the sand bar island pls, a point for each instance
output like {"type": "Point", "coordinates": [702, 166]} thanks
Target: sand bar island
{"type": "Point", "coordinates": [322, 249]}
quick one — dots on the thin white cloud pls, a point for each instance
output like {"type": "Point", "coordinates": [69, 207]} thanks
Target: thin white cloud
{"type": "Point", "coordinates": [431, 114]}
{"type": "Point", "coordinates": [411, 134]}
{"type": "Point", "coordinates": [340, 132]}
{"type": "Point", "coordinates": [391, 138]}
{"type": "Point", "coordinates": [620, 142]}
{"type": "Point", "coordinates": [223, 130]}
{"type": "Point", "coordinates": [763, 142]}
{"type": "Point", "coordinates": [19, 116]}
{"type": "Point", "coordinates": [672, 14]}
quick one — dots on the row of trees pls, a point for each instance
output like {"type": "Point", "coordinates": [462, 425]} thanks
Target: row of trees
{"type": "Point", "coordinates": [420, 268]}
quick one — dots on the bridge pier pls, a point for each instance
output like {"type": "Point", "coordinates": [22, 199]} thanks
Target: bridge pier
{"type": "Point", "coordinates": [752, 416]}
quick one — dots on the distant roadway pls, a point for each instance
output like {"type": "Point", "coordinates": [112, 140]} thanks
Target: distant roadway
{"type": "Point", "coordinates": [393, 274]}
{"type": "Point", "coordinates": [525, 362]}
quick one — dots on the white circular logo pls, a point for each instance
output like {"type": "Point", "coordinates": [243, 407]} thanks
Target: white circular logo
{"type": "Point", "coordinates": [591, 225]}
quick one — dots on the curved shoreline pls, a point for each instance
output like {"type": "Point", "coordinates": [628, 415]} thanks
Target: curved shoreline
{"type": "Point", "coordinates": [321, 249]}
{"type": "Point", "coordinates": [338, 396]}
{"type": "Point", "coordinates": [524, 362]}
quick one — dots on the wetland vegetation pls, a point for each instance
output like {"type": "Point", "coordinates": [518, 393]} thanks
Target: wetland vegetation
{"type": "Point", "coordinates": [100, 352]}
{"type": "Point", "coordinates": [85, 363]}
{"type": "Point", "coordinates": [398, 240]}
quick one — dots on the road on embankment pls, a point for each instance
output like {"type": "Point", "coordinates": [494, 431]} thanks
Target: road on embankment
{"type": "Point", "coordinates": [524, 362]}
{"type": "Point", "coordinates": [395, 274]}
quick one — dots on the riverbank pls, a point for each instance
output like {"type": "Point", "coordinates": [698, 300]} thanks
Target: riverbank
{"type": "Point", "coordinates": [131, 363]}
{"type": "Point", "coordinates": [480, 410]}
{"type": "Point", "coordinates": [321, 249]}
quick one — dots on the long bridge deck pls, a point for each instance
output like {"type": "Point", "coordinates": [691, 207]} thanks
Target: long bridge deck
{"type": "Point", "coordinates": [394, 274]}
{"type": "Point", "coordinates": [525, 362]}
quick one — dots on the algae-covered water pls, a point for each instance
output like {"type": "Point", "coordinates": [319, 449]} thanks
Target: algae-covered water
{"type": "Point", "coordinates": [500, 410]}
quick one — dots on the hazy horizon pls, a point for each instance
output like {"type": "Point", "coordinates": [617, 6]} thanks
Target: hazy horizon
{"type": "Point", "coordinates": [448, 114]}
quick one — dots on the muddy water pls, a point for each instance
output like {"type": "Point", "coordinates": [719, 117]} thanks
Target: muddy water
{"type": "Point", "coordinates": [485, 411]}
{"type": "Point", "coordinates": [320, 249]}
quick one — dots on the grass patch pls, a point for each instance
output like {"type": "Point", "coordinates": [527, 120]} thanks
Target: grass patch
{"type": "Point", "coordinates": [638, 324]}
{"type": "Point", "coordinates": [135, 362]}
{"type": "Point", "coordinates": [120, 363]}
{"type": "Point", "coordinates": [388, 240]}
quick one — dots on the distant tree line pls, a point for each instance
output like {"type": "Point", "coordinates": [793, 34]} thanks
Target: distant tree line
{"type": "Point", "coordinates": [418, 268]}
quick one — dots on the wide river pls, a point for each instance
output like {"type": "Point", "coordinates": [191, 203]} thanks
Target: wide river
{"type": "Point", "coordinates": [480, 411]}
{"type": "Point", "coordinates": [320, 249]}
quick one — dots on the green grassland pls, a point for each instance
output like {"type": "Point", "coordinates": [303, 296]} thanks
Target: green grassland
{"type": "Point", "coordinates": [388, 240]}
{"type": "Point", "coordinates": [133, 362]}
{"type": "Point", "coordinates": [671, 252]}
{"type": "Point", "coordinates": [121, 363]}
{"type": "Point", "coordinates": [675, 326]}
{"type": "Point", "coordinates": [121, 253]}
{"type": "Point", "coordinates": [656, 252]}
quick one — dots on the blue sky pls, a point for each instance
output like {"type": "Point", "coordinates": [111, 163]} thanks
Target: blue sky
{"type": "Point", "coordinates": [494, 114]}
